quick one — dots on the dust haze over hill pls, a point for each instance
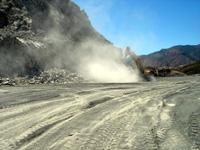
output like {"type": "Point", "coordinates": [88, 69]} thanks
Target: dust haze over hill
{"type": "Point", "coordinates": [41, 35]}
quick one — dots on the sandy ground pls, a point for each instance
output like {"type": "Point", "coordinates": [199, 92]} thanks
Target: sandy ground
{"type": "Point", "coordinates": [164, 115]}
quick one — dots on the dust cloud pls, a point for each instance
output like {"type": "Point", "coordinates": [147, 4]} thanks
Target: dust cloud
{"type": "Point", "coordinates": [108, 71]}
{"type": "Point", "coordinates": [62, 37]}
{"type": "Point", "coordinates": [104, 64]}
{"type": "Point", "coordinates": [93, 57]}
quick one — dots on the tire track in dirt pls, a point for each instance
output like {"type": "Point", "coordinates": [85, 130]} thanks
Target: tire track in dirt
{"type": "Point", "coordinates": [108, 133]}
{"type": "Point", "coordinates": [194, 129]}
{"type": "Point", "coordinates": [144, 116]}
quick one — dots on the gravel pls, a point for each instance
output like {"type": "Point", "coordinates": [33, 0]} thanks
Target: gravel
{"type": "Point", "coordinates": [53, 76]}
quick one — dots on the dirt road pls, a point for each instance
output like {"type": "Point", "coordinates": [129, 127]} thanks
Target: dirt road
{"type": "Point", "coordinates": [164, 114]}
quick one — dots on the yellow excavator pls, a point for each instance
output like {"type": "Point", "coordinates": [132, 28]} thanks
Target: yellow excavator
{"type": "Point", "coordinates": [144, 73]}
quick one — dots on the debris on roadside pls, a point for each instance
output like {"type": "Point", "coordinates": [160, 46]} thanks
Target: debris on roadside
{"type": "Point", "coordinates": [53, 76]}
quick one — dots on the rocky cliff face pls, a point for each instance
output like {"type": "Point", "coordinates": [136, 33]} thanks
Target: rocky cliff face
{"type": "Point", "coordinates": [172, 57]}
{"type": "Point", "coordinates": [43, 34]}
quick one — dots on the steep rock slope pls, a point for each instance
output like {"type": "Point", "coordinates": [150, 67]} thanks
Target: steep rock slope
{"type": "Point", "coordinates": [172, 57]}
{"type": "Point", "coordinates": [43, 34]}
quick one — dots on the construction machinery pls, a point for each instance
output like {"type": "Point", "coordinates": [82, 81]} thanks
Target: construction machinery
{"type": "Point", "coordinates": [146, 74]}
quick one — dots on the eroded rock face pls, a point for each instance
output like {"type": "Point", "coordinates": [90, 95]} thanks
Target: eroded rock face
{"type": "Point", "coordinates": [42, 34]}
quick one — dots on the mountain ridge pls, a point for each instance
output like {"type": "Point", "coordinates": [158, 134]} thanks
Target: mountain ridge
{"type": "Point", "coordinates": [173, 56]}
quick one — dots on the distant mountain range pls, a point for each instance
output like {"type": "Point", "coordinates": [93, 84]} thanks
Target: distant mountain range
{"type": "Point", "coordinates": [172, 57]}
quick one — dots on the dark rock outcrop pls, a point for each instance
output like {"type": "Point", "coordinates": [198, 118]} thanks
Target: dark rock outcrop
{"type": "Point", "coordinates": [42, 34]}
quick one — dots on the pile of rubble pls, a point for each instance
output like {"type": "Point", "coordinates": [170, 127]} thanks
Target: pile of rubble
{"type": "Point", "coordinates": [53, 76]}
{"type": "Point", "coordinates": [165, 72]}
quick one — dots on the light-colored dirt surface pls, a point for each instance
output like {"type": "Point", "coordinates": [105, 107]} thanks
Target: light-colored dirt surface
{"type": "Point", "coordinates": [164, 114]}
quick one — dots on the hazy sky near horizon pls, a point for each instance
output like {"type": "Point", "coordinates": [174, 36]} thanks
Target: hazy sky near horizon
{"type": "Point", "coordinates": [145, 25]}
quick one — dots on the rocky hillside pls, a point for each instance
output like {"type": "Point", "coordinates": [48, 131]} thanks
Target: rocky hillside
{"type": "Point", "coordinates": [190, 69]}
{"type": "Point", "coordinates": [43, 34]}
{"type": "Point", "coordinates": [172, 57]}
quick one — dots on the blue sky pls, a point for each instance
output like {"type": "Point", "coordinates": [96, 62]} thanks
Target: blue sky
{"type": "Point", "coordinates": [145, 25]}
